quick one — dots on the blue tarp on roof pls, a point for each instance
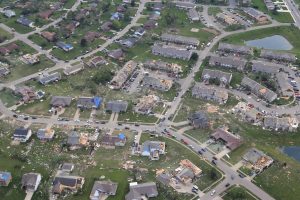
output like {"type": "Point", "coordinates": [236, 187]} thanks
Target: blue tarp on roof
{"type": "Point", "coordinates": [5, 176]}
{"type": "Point", "coordinates": [97, 101]}
{"type": "Point", "coordinates": [122, 136]}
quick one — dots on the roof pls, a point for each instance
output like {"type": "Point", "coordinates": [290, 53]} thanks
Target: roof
{"type": "Point", "coordinates": [179, 39]}
{"type": "Point", "coordinates": [232, 141]}
{"type": "Point", "coordinates": [259, 90]}
{"type": "Point", "coordinates": [48, 78]}
{"type": "Point", "coordinates": [67, 167]}
{"type": "Point", "coordinates": [60, 101]}
{"type": "Point", "coordinates": [106, 187]}
{"type": "Point", "coordinates": [128, 42]}
{"type": "Point", "coordinates": [4, 71]}
{"type": "Point", "coordinates": [45, 133]}
{"type": "Point", "coordinates": [284, 86]}
{"type": "Point", "coordinates": [230, 62]}
{"type": "Point", "coordinates": [210, 93]}
{"type": "Point", "coordinates": [24, 21]}
{"type": "Point", "coordinates": [89, 102]}
{"type": "Point", "coordinates": [234, 48]}
{"type": "Point", "coordinates": [266, 67]}
{"type": "Point", "coordinates": [5, 176]}
{"type": "Point", "coordinates": [269, 54]}
{"type": "Point", "coordinates": [21, 132]}
{"type": "Point", "coordinates": [254, 13]}
{"type": "Point", "coordinates": [116, 53]}
{"type": "Point", "coordinates": [111, 140]}
{"type": "Point", "coordinates": [199, 119]}
{"type": "Point", "coordinates": [157, 83]}
{"type": "Point", "coordinates": [30, 179]}
{"type": "Point", "coordinates": [164, 66]}
{"type": "Point", "coordinates": [73, 138]}
{"type": "Point", "coordinates": [169, 51]}
{"type": "Point", "coordinates": [224, 77]}
{"type": "Point", "coordinates": [138, 190]}
{"type": "Point", "coordinates": [164, 178]}
{"type": "Point", "coordinates": [117, 106]}
{"type": "Point", "coordinates": [193, 14]}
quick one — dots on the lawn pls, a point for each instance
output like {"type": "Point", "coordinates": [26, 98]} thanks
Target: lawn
{"type": "Point", "coordinates": [8, 98]}
{"type": "Point", "coordinates": [200, 135]}
{"type": "Point", "coordinates": [214, 11]}
{"type": "Point", "coordinates": [289, 32]}
{"type": "Point", "coordinates": [4, 35]}
{"type": "Point", "coordinates": [238, 192]}
{"type": "Point", "coordinates": [280, 17]}
{"type": "Point", "coordinates": [19, 69]}
{"type": "Point", "coordinates": [39, 40]}
{"type": "Point", "coordinates": [36, 108]}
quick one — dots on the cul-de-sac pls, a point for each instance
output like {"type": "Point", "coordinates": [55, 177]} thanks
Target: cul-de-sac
{"type": "Point", "coordinates": [149, 99]}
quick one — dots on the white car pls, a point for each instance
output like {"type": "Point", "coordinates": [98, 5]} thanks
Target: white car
{"type": "Point", "coordinates": [212, 193]}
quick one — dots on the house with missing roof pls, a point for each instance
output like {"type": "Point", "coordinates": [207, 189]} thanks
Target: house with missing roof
{"type": "Point", "coordinates": [65, 181]}
{"type": "Point", "coordinates": [223, 78]}
{"type": "Point", "coordinates": [4, 71]}
{"type": "Point", "coordinates": [163, 66]}
{"type": "Point", "coordinates": [45, 134]}
{"type": "Point", "coordinates": [157, 83]}
{"type": "Point", "coordinates": [193, 15]}
{"type": "Point", "coordinates": [117, 54]}
{"type": "Point", "coordinates": [210, 93]}
{"type": "Point", "coordinates": [228, 62]}
{"type": "Point", "coordinates": [102, 189]}
{"type": "Point", "coordinates": [113, 141]}
{"type": "Point", "coordinates": [141, 191]}
{"type": "Point", "coordinates": [171, 52]}
{"type": "Point", "coordinates": [31, 181]}
{"type": "Point", "coordinates": [60, 101]}
{"type": "Point", "coordinates": [199, 119]}
{"type": "Point", "coordinates": [257, 160]}
{"type": "Point", "coordinates": [230, 140]}
{"type": "Point", "coordinates": [27, 93]}
{"type": "Point", "coordinates": [96, 61]}
{"type": "Point", "coordinates": [22, 134]}
{"type": "Point", "coordinates": [284, 87]}
{"type": "Point", "coordinates": [248, 113]}
{"type": "Point", "coordinates": [89, 102]}
{"type": "Point", "coordinates": [153, 149]}
{"type": "Point", "coordinates": [123, 74]}
{"type": "Point", "coordinates": [74, 69]}
{"type": "Point", "coordinates": [146, 104]}
{"type": "Point", "coordinates": [258, 89]}
{"type": "Point", "coordinates": [77, 140]}
{"type": "Point", "coordinates": [258, 16]}
{"type": "Point", "coordinates": [117, 106]}
{"type": "Point", "coordinates": [5, 178]}
{"type": "Point", "coordinates": [232, 48]}
{"type": "Point", "coordinates": [288, 123]}
{"type": "Point", "coordinates": [30, 59]}
{"type": "Point", "coordinates": [187, 172]}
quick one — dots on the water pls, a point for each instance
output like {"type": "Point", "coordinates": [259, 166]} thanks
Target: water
{"type": "Point", "coordinates": [275, 42]}
{"type": "Point", "coordinates": [293, 152]}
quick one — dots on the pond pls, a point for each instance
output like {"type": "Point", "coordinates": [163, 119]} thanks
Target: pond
{"type": "Point", "coordinates": [293, 152]}
{"type": "Point", "coordinates": [275, 42]}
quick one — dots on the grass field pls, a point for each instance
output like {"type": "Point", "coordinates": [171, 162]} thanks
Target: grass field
{"type": "Point", "coordinates": [289, 32]}
{"type": "Point", "coordinates": [238, 192]}
{"type": "Point", "coordinates": [19, 69]}
{"type": "Point", "coordinates": [8, 98]}
{"type": "Point", "coordinates": [39, 40]}
{"type": "Point", "coordinates": [5, 35]}
{"type": "Point", "coordinates": [214, 11]}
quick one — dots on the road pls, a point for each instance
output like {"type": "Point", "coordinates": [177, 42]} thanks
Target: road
{"type": "Point", "coordinates": [186, 84]}
{"type": "Point", "coordinates": [294, 9]}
